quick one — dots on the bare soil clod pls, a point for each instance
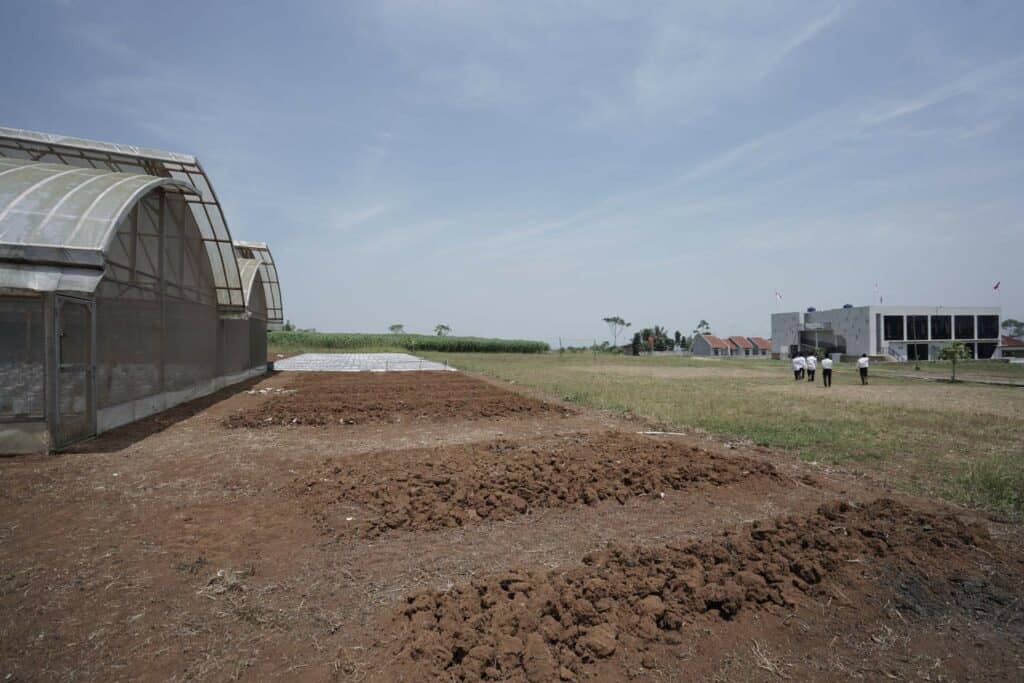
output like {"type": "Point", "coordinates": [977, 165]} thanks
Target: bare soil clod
{"type": "Point", "coordinates": [525, 625]}
{"type": "Point", "coordinates": [457, 486]}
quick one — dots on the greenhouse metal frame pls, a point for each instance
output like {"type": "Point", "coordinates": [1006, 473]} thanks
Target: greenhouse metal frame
{"type": "Point", "coordinates": [122, 292]}
{"type": "Point", "coordinates": [268, 271]}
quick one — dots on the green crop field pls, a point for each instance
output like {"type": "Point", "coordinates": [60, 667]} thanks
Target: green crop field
{"type": "Point", "coordinates": [291, 342]}
{"type": "Point", "coordinates": [962, 442]}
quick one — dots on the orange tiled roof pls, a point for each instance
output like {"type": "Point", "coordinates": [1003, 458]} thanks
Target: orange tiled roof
{"type": "Point", "coordinates": [714, 341]}
{"type": "Point", "coordinates": [741, 342]}
{"type": "Point", "coordinates": [761, 343]}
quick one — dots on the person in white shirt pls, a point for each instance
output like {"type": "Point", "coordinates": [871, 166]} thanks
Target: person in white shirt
{"type": "Point", "coordinates": [798, 367]}
{"type": "Point", "coordinates": [826, 371]}
{"type": "Point", "coordinates": [862, 365]}
{"type": "Point", "coordinates": [812, 366]}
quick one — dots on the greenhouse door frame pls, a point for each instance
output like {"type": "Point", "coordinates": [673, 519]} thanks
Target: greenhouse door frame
{"type": "Point", "coordinates": [63, 430]}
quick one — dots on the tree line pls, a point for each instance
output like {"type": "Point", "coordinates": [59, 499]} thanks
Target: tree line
{"type": "Point", "coordinates": [650, 339]}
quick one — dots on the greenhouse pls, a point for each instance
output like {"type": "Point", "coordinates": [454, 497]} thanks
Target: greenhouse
{"type": "Point", "coordinates": [122, 292]}
{"type": "Point", "coordinates": [260, 252]}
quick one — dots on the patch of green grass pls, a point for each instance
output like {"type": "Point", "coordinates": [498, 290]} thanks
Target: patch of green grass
{"type": "Point", "coordinates": [995, 482]}
{"type": "Point", "coordinates": [955, 450]}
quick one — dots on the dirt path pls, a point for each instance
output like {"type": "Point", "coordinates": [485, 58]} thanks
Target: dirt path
{"type": "Point", "coordinates": [182, 548]}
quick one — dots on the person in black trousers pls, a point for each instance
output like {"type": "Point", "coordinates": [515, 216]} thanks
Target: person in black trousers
{"type": "Point", "coordinates": [826, 371]}
{"type": "Point", "coordinates": [862, 365]}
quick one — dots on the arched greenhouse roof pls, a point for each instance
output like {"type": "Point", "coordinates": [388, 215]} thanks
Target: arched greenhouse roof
{"type": "Point", "coordinates": [249, 268]}
{"type": "Point", "coordinates": [105, 156]}
{"type": "Point", "coordinates": [268, 273]}
{"type": "Point", "coordinates": [61, 215]}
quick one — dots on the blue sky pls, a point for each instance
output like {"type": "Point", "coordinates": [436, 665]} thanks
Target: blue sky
{"type": "Point", "coordinates": [525, 169]}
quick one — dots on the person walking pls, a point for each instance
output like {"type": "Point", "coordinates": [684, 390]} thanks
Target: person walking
{"type": "Point", "coordinates": [798, 367]}
{"type": "Point", "coordinates": [812, 366]}
{"type": "Point", "coordinates": [862, 366]}
{"type": "Point", "coordinates": [826, 371]}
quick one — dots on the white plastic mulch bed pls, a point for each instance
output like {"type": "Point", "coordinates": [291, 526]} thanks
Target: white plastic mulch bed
{"type": "Point", "coordinates": [356, 362]}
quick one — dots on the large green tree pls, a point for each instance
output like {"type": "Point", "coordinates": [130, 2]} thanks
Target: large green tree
{"type": "Point", "coordinates": [397, 328]}
{"type": "Point", "coordinates": [656, 339]}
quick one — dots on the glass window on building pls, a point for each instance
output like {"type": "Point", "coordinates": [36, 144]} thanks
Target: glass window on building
{"type": "Point", "coordinates": [986, 349]}
{"type": "Point", "coordinates": [893, 327]}
{"type": "Point", "coordinates": [917, 351]}
{"type": "Point", "coordinates": [942, 327]}
{"type": "Point", "coordinates": [964, 326]}
{"type": "Point", "coordinates": [988, 327]}
{"type": "Point", "coordinates": [917, 327]}
{"type": "Point", "coordinates": [970, 350]}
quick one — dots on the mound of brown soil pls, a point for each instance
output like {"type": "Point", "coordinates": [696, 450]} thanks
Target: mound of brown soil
{"type": "Point", "coordinates": [542, 626]}
{"type": "Point", "coordinates": [457, 485]}
{"type": "Point", "coordinates": [349, 398]}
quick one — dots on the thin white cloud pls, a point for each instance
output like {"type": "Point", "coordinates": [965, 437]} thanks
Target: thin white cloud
{"type": "Point", "coordinates": [698, 61]}
{"type": "Point", "coordinates": [969, 83]}
{"type": "Point", "coordinates": [395, 241]}
{"type": "Point", "coordinates": [351, 219]}
{"type": "Point", "coordinates": [812, 30]}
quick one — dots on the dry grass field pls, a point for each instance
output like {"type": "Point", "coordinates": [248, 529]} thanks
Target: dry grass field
{"type": "Point", "coordinates": [962, 442]}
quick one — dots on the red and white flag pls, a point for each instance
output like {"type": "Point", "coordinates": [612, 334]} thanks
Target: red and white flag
{"type": "Point", "coordinates": [996, 286]}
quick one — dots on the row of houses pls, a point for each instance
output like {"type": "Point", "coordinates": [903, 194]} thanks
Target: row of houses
{"type": "Point", "coordinates": [710, 345]}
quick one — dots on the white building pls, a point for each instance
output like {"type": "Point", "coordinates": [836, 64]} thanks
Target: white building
{"type": "Point", "coordinates": [899, 332]}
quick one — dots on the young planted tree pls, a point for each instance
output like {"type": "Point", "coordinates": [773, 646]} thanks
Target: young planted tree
{"type": "Point", "coordinates": [396, 329]}
{"type": "Point", "coordinates": [442, 330]}
{"type": "Point", "coordinates": [616, 325]}
{"type": "Point", "coordinates": [954, 352]}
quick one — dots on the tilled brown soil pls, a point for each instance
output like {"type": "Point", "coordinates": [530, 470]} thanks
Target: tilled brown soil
{"type": "Point", "coordinates": [174, 549]}
{"type": "Point", "coordinates": [428, 489]}
{"type": "Point", "coordinates": [545, 626]}
{"type": "Point", "coordinates": [352, 398]}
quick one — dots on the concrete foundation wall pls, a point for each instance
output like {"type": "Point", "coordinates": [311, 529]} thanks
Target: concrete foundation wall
{"type": "Point", "coordinates": [17, 438]}
{"type": "Point", "coordinates": [116, 416]}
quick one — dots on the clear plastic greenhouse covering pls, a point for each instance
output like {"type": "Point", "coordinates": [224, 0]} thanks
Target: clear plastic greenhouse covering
{"type": "Point", "coordinates": [140, 161]}
{"type": "Point", "coordinates": [268, 273]}
{"type": "Point", "coordinates": [249, 269]}
{"type": "Point", "coordinates": [58, 215]}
